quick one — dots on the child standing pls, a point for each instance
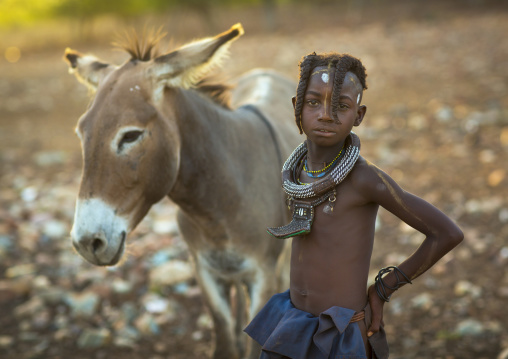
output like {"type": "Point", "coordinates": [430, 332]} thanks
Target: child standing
{"type": "Point", "coordinates": [334, 194]}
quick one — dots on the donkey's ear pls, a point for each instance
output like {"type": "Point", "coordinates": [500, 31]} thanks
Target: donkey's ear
{"type": "Point", "coordinates": [185, 66]}
{"type": "Point", "coordinates": [88, 69]}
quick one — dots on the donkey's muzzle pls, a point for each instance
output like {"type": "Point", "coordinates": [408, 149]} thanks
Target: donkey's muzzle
{"type": "Point", "coordinates": [97, 250]}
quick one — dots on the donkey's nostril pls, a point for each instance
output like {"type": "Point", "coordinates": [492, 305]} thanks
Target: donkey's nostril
{"type": "Point", "coordinates": [97, 244]}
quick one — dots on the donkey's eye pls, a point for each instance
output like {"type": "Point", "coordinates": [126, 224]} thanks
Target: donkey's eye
{"type": "Point", "coordinates": [130, 136]}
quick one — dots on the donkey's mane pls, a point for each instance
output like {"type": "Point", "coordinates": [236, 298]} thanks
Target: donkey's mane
{"type": "Point", "coordinates": [146, 47]}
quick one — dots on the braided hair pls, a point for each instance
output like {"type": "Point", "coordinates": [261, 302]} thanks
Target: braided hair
{"type": "Point", "coordinates": [342, 64]}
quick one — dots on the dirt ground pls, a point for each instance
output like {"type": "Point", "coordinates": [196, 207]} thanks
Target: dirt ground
{"type": "Point", "coordinates": [437, 122]}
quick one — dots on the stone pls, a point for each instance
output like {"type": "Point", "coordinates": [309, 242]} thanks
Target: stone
{"type": "Point", "coordinates": [129, 311]}
{"type": "Point", "coordinates": [165, 226]}
{"type": "Point", "coordinates": [197, 335]}
{"type": "Point", "coordinates": [204, 321]}
{"type": "Point", "coordinates": [94, 338]}
{"type": "Point", "coordinates": [121, 286]}
{"type": "Point", "coordinates": [28, 336]}
{"type": "Point", "coordinates": [463, 287]}
{"type": "Point", "coordinates": [155, 303]}
{"type": "Point", "coordinates": [20, 270]}
{"type": "Point", "coordinates": [51, 295]}
{"type": "Point", "coordinates": [62, 334]}
{"type": "Point", "coordinates": [470, 327]}
{"type": "Point", "coordinates": [423, 301]}
{"type": "Point", "coordinates": [6, 341]}
{"type": "Point", "coordinates": [146, 324]}
{"type": "Point", "coordinates": [41, 319]}
{"type": "Point", "coordinates": [82, 304]}
{"type": "Point", "coordinates": [55, 229]}
{"type": "Point", "coordinates": [14, 288]}
{"type": "Point", "coordinates": [444, 114]}
{"type": "Point", "coordinates": [173, 272]}
{"type": "Point", "coordinates": [29, 194]}
{"type": "Point", "coordinates": [126, 337]}
{"type": "Point", "coordinates": [29, 308]}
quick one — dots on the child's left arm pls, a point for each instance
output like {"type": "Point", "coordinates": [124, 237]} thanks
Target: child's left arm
{"type": "Point", "coordinates": [441, 234]}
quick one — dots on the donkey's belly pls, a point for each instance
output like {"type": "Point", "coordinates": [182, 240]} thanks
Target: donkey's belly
{"type": "Point", "coordinates": [225, 263]}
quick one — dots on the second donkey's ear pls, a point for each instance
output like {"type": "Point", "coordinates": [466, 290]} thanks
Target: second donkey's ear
{"type": "Point", "coordinates": [88, 69]}
{"type": "Point", "coordinates": [185, 66]}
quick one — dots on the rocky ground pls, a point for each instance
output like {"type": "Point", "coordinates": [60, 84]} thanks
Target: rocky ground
{"type": "Point", "coordinates": [437, 123]}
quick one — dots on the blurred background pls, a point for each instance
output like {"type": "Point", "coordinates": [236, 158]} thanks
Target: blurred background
{"type": "Point", "coordinates": [437, 122]}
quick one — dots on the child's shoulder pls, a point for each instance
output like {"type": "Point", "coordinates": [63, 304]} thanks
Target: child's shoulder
{"type": "Point", "coordinates": [365, 175]}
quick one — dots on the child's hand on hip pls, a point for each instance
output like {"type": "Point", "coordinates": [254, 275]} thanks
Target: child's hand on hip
{"type": "Point", "coordinates": [376, 305]}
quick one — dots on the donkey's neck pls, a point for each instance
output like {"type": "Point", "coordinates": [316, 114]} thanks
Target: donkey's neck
{"type": "Point", "coordinates": [213, 152]}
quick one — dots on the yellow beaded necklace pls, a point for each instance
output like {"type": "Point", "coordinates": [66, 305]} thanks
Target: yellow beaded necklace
{"type": "Point", "coordinates": [323, 169]}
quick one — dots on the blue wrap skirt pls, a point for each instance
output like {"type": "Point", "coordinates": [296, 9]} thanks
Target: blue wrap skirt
{"type": "Point", "coordinates": [284, 331]}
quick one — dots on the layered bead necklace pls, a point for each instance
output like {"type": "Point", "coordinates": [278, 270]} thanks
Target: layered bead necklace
{"type": "Point", "coordinates": [331, 179]}
{"type": "Point", "coordinates": [304, 198]}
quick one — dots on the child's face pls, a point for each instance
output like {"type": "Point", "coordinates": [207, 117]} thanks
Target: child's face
{"type": "Point", "coordinates": [317, 121]}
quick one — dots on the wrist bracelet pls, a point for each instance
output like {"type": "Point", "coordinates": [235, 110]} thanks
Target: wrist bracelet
{"type": "Point", "coordinates": [381, 286]}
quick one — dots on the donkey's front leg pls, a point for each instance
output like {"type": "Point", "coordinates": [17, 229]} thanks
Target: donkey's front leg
{"type": "Point", "coordinates": [217, 298]}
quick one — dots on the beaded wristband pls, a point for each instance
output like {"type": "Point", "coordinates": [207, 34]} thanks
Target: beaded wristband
{"type": "Point", "coordinates": [381, 286]}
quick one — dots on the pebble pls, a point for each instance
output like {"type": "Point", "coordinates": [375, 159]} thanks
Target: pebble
{"type": "Point", "coordinates": [121, 286]}
{"type": "Point", "coordinates": [6, 341]}
{"type": "Point", "coordinates": [126, 337]}
{"type": "Point", "coordinates": [26, 336]}
{"type": "Point", "coordinates": [129, 311]}
{"type": "Point", "coordinates": [444, 114]}
{"type": "Point", "coordinates": [204, 321]}
{"type": "Point", "coordinates": [147, 325]}
{"type": "Point", "coordinates": [470, 327]}
{"type": "Point", "coordinates": [29, 194]}
{"type": "Point", "coordinates": [29, 308]}
{"type": "Point", "coordinates": [20, 270]}
{"type": "Point", "coordinates": [464, 287]}
{"type": "Point", "coordinates": [154, 303]}
{"type": "Point", "coordinates": [50, 295]}
{"type": "Point", "coordinates": [423, 301]}
{"type": "Point", "coordinates": [55, 229]}
{"type": "Point", "coordinates": [62, 334]}
{"type": "Point", "coordinates": [165, 226]}
{"type": "Point", "coordinates": [94, 338]}
{"type": "Point", "coordinates": [82, 304]}
{"type": "Point", "coordinates": [11, 289]}
{"type": "Point", "coordinates": [171, 273]}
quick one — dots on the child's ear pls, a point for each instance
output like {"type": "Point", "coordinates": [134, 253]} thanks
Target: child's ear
{"type": "Point", "coordinates": [293, 99]}
{"type": "Point", "coordinates": [362, 110]}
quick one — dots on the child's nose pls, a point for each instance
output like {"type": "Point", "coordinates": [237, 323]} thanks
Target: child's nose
{"type": "Point", "coordinates": [326, 113]}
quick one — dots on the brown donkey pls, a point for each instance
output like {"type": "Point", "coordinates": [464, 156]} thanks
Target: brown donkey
{"type": "Point", "coordinates": [151, 132]}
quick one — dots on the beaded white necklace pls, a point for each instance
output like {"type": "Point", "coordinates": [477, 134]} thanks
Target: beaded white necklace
{"type": "Point", "coordinates": [329, 181]}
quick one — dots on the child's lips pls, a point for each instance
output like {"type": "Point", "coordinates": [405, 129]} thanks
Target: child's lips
{"type": "Point", "coordinates": [324, 132]}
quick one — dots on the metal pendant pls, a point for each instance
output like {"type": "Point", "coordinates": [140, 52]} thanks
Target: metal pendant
{"type": "Point", "coordinates": [328, 209]}
{"type": "Point", "coordinates": [303, 216]}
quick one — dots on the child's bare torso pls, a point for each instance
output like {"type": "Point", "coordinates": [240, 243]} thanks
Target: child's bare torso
{"type": "Point", "coordinates": [330, 266]}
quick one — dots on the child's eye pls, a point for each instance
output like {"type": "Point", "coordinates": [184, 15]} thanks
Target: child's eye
{"type": "Point", "coordinates": [343, 106]}
{"type": "Point", "coordinates": [312, 102]}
